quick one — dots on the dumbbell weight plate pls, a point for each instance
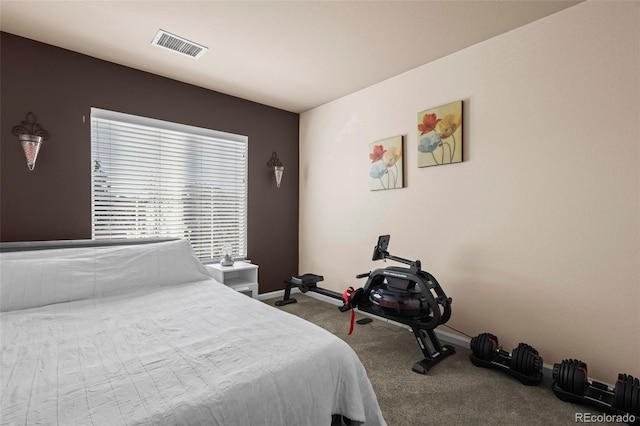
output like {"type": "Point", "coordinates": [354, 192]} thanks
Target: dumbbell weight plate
{"type": "Point", "coordinates": [627, 394]}
{"type": "Point", "coordinates": [522, 358]}
{"type": "Point", "coordinates": [518, 356]}
{"type": "Point", "coordinates": [530, 362]}
{"type": "Point", "coordinates": [527, 356]}
{"type": "Point", "coordinates": [571, 372]}
{"type": "Point", "coordinates": [573, 376]}
{"type": "Point", "coordinates": [618, 392]}
{"type": "Point", "coordinates": [580, 380]}
{"type": "Point", "coordinates": [558, 375]}
{"type": "Point", "coordinates": [555, 373]}
{"type": "Point", "coordinates": [536, 363]}
{"type": "Point", "coordinates": [578, 377]}
{"type": "Point", "coordinates": [565, 375]}
{"type": "Point", "coordinates": [566, 385]}
{"type": "Point", "coordinates": [484, 345]}
{"type": "Point", "coordinates": [626, 388]}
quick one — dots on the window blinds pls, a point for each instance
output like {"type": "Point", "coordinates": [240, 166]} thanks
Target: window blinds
{"type": "Point", "coordinates": [155, 178]}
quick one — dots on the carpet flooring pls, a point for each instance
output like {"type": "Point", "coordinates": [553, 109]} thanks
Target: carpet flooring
{"type": "Point", "coordinates": [454, 392]}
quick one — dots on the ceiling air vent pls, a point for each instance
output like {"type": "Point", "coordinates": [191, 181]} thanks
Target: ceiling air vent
{"type": "Point", "coordinates": [178, 44]}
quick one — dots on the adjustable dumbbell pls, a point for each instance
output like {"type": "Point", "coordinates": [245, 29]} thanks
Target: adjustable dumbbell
{"type": "Point", "coordinates": [524, 363]}
{"type": "Point", "coordinates": [571, 384]}
{"type": "Point", "coordinates": [571, 376]}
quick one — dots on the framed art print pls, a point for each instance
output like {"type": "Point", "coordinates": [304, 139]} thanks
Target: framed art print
{"type": "Point", "coordinates": [440, 135]}
{"type": "Point", "coordinates": [387, 164]}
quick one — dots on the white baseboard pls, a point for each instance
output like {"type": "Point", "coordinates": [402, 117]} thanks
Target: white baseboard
{"type": "Point", "coordinates": [448, 337]}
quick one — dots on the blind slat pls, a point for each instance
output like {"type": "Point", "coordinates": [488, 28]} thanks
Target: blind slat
{"type": "Point", "coordinates": [153, 178]}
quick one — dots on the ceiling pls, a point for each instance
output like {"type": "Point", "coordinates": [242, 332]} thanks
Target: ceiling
{"type": "Point", "coordinates": [293, 55]}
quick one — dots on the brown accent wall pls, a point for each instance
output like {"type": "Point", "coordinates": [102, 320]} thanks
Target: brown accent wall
{"type": "Point", "coordinates": [54, 201]}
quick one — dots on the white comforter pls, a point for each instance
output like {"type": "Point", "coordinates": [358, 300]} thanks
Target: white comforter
{"type": "Point", "coordinates": [190, 354]}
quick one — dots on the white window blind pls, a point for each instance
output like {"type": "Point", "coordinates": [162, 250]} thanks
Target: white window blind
{"type": "Point", "coordinates": [153, 178]}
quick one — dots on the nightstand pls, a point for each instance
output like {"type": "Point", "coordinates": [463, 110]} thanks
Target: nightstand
{"type": "Point", "coordinates": [241, 276]}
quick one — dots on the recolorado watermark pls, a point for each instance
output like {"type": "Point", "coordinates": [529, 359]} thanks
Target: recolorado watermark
{"type": "Point", "coordinates": [604, 418]}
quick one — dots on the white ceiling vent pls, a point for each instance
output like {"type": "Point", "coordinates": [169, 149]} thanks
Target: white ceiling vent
{"type": "Point", "coordinates": [178, 44]}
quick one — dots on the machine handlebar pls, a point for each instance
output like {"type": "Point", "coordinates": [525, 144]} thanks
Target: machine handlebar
{"type": "Point", "coordinates": [366, 274]}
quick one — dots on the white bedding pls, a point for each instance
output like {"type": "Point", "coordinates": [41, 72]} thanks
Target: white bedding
{"type": "Point", "coordinates": [189, 354]}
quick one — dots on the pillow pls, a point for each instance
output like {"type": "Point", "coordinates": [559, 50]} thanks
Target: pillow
{"type": "Point", "coordinates": [38, 278]}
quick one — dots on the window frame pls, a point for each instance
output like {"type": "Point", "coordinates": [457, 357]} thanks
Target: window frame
{"type": "Point", "coordinates": [187, 205]}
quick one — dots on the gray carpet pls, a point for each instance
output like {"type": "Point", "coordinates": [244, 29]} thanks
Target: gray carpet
{"type": "Point", "coordinates": [453, 392]}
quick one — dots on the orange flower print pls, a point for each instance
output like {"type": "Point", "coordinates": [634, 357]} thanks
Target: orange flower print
{"type": "Point", "coordinates": [429, 122]}
{"type": "Point", "coordinates": [378, 152]}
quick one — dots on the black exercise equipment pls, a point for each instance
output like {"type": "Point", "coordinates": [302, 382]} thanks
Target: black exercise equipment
{"type": "Point", "coordinates": [524, 363]}
{"type": "Point", "coordinates": [305, 283]}
{"type": "Point", "coordinates": [571, 384]}
{"type": "Point", "coordinates": [410, 296]}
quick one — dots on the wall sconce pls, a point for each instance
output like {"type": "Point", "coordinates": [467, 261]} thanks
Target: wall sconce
{"type": "Point", "coordinates": [31, 135]}
{"type": "Point", "coordinates": [277, 166]}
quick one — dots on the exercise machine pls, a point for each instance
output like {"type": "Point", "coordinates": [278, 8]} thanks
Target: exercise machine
{"type": "Point", "coordinates": [407, 295]}
{"type": "Point", "coordinates": [524, 363]}
{"type": "Point", "coordinates": [571, 384]}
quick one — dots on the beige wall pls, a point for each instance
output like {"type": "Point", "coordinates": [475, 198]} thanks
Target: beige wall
{"type": "Point", "coordinates": [536, 235]}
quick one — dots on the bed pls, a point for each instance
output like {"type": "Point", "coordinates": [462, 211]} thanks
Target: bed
{"type": "Point", "coordinates": [143, 335]}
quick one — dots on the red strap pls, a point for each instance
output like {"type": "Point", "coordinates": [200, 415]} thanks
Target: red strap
{"type": "Point", "coordinates": [345, 298]}
{"type": "Point", "coordinates": [353, 318]}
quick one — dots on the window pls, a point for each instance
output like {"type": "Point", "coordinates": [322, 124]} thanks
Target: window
{"type": "Point", "coordinates": [154, 178]}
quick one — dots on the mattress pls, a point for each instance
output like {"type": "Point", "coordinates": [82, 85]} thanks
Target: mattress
{"type": "Point", "coordinates": [195, 353]}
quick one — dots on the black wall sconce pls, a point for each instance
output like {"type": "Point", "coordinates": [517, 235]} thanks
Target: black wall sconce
{"type": "Point", "coordinates": [278, 169]}
{"type": "Point", "coordinates": [31, 134]}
